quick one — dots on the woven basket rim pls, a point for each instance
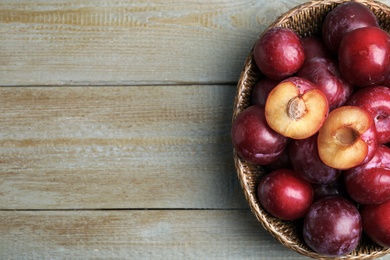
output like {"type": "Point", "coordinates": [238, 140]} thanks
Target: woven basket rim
{"type": "Point", "coordinates": [242, 93]}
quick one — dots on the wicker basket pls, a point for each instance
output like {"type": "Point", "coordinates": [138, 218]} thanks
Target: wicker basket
{"type": "Point", "coordinates": [306, 20]}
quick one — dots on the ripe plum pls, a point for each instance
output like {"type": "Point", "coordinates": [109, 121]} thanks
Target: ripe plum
{"type": "Point", "coordinates": [253, 140]}
{"type": "Point", "coordinates": [343, 19]}
{"type": "Point", "coordinates": [307, 163]}
{"type": "Point", "coordinates": [279, 53]}
{"type": "Point", "coordinates": [332, 226]}
{"type": "Point", "coordinates": [376, 222]}
{"type": "Point", "coordinates": [285, 195]}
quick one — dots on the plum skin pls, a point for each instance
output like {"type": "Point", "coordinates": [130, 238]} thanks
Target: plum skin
{"type": "Point", "coordinates": [307, 163]}
{"type": "Point", "coordinates": [364, 56]}
{"type": "Point", "coordinates": [253, 140]}
{"type": "Point", "coordinates": [369, 183]}
{"type": "Point", "coordinates": [324, 72]}
{"type": "Point", "coordinates": [343, 19]}
{"type": "Point", "coordinates": [279, 53]}
{"type": "Point", "coordinates": [261, 90]}
{"type": "Point", "coordinates": [376, 100]}
{"type": "Point", "coordinates": [285, 195]}
{"type": "Point", "coordinates": [315, 48]}
{"type": "Point", "coordinates": [370, 186]}
{"type": "Point", "coordinates": [333, 226]}
{"type": "Point", "coordinates": [376, 224]}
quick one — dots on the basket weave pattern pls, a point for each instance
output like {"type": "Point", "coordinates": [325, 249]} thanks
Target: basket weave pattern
{"type": "Point", "coordinates": [306, 20]}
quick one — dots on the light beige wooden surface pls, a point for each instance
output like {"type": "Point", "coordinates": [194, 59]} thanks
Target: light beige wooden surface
{"type": "Point", "coordinates": [115, 129]}
{"type": "Point", "coordinates": [129, 42]}
{"type": "Point", "coordinates": [117, 147]}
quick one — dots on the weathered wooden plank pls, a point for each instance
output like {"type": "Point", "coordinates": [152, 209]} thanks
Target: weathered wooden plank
{"type": "Point", "coordinates": [104, 42]}
{"type": "Point", "coordinates": [117, 147]}
{"type": "Point", "coordinates": [161, 234]}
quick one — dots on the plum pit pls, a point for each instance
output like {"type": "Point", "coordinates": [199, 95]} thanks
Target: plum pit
{"type": "Point", "coordinates": [296, 108]}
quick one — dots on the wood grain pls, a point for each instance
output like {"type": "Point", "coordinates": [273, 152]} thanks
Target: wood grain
{"type": "Point", "coordinates": [174, 234]}
{"type": "Point", "coordinates": [117, 147]}
{"type": "Point", "coordinates": [115, 124]}
{"type": "Point", "coordinates": [102, 42]}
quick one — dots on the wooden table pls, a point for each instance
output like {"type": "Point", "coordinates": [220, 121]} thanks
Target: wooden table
{"type": "Point", "coordinates": [115, 129]}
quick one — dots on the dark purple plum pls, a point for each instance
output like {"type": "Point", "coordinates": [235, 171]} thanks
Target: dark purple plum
{"type": "Point", "coordinates": [369, 183]}
{"type": "Point", "coordinates": [364, 56]}
{"type": "Point", "coordinates": [376, 100]}
{"type": "Point", "coordinates": [306, 162]}
{"type": "Point", "coordinates": [261, 90]}
{"type": "Point", "coordinates": [279, 53]}
{"type": "Point", "coordinates": [315, 48]}
{"type": "Point", "coordinates": [376, 222]}
{"type": "Point", "coordinates": [343, 19]}
{"type": "Point", "coordinates": [285, 195]}
{"type": "Point", "coordinates": [333, 226]}
{"type": "Point", "coordinates": [326, 75]}
{"type": "Point", "coordinates": [253, 140]}
{"type": "Point", "coordinates": [283, 162]}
